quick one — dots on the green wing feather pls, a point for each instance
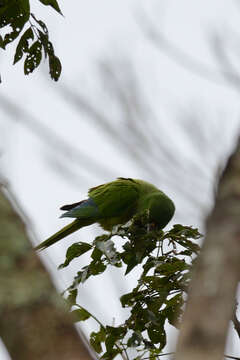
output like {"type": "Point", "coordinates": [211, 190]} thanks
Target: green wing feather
{"type": "Point", "coordinates": [116, 201]}
{"type": "Point", "coordinates": [116, 197]}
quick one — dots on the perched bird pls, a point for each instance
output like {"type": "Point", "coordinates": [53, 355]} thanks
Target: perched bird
{"type": "Point", "coordinates": [115, 203]}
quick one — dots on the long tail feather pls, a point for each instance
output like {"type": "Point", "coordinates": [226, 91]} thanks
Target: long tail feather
{"type": "Point", "coordinates": [66, 230]}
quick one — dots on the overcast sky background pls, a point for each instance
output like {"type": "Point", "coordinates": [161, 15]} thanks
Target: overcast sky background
{"type": "Point", "coordinates": [187, 115]}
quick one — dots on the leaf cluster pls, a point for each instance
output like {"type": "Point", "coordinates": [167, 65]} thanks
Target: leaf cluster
{"type": "Point", "coordinates": [166, 259]}
{"type": "Point", "coordinates": [34, 44]}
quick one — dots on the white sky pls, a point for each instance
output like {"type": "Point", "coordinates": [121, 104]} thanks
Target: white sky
{"type": "Point", "coordinates": [92, 31]}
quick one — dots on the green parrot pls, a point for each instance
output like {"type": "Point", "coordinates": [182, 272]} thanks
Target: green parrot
{"type": "Point", "coordinates": [115, 203]}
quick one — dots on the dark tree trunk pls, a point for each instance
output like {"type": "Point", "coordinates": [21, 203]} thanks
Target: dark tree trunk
{"type": "Point", "coordinates": [34, 322]}
{"type": "Point", "coordinates": [212, 293]}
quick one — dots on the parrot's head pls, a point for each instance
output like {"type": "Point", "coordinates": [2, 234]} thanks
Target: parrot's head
{"type": "Point", "coordinates": [161, 209]}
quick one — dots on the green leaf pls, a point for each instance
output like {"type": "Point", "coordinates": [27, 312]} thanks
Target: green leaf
{"type": "Point", "coordinates": [111, 354]}
{"type": "Point", "coordinates": [96, 254]}
{"type": "Point", "coordinates": [42, 24]}
{"type": "Point", "coordinates": [139, 319]}
{"type": "Point", "coordinates": [137, 249]}
{"type": "Point", "coordinates": [74, 251]}
{"type": "Point", "coordinates": [23, 45]}
{"type": "Point", "coordinates": [44, 41]}
{"type": "Point", "coordinates": [128, 299]}
{"type": "Point", "coordinates": [80, 314]}
{"type": "Point", "coordinates": [131, 298]}
{"type": "Point", "coordinates": [55, 67]}
{"type": "Point", "coordinates": [157, 335]}
{"type": "Point", "coordinates": [53, 4]}
{"type": "Point", "coordinates": [158, 297]}
{"type": "Point", "coordinates": [4, 5]}
{"type": "Point", "coordinates": [152, 317]}
{"type": "Point", "coordinates": [33, 58]}
{"type": "Point", "coordinates": [174, 301]}
{"type": "Point", "coordinates": [71, 299]}
{"type": "Point", "coordinates": [173, 309]}
{"type": "Point", "coordinates": [185, 231]}
{"type": "Point", "coordinates": [116, 332]}
{"type": "Point", "coordinates": [13, 15]}
{"type": "Point", "coordinates": [9, 9]}
{"type": "Point", "coordinates": [172, 266]}
{"type": "Point", "coordinates": [2, 45]}
{"type": "Point", "coordinates": [195, 248]}
{"type": "Point", "coordinates": [25, 6]}
{"type": "Point", "coordinates": [96, 268]}
{"type": "Point", "coordinates": [186, 252]}
{"type": "Point", "coordinates": [83, 275]}
{"type": "Point", "coordinates": [150, 263]}
{"type": "Point", "coordinates": [80, 277]}
{"type": "Point", "coordinates": [160, 284]}
{"type": "Point", "coordinates": [96, 338]}
{"type": "Point", "coordinates": [132, 263]}
{"type": "Point", "coordinates": [155, 304]}
{"type": "Point", "coordinates": [135, 340]}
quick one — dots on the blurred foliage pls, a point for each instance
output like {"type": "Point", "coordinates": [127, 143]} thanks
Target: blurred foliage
{"type": "Point", "coordinates": [166, 258]}
{"type": "Point", "coordinates": [33, 44]}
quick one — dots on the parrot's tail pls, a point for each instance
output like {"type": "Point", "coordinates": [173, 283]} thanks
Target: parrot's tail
{"type": "Point", "coordinates": [67, 230]}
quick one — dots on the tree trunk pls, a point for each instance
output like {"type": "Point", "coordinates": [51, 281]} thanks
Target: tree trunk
{"type": "Point", "coordinates": [213, 288]}
{"type": "Point", "coordinates": [34, 322]}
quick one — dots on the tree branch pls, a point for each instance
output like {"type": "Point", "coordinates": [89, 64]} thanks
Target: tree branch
{"type": "Point", "coordinates": [212, 292]}
{"type": "Point", "coordinates": [35, 323]}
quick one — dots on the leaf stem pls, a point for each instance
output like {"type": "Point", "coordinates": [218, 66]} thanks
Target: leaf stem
{"type": "Point", "coordinates": [33, 28]}
{"type": "Point", "coordinates": [92, 316]}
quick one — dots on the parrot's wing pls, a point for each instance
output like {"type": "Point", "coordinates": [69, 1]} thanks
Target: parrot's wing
{"type": "Point", "coordinates": [115, 198]}
{"type": "Point", "coordinates": [85, 209]}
